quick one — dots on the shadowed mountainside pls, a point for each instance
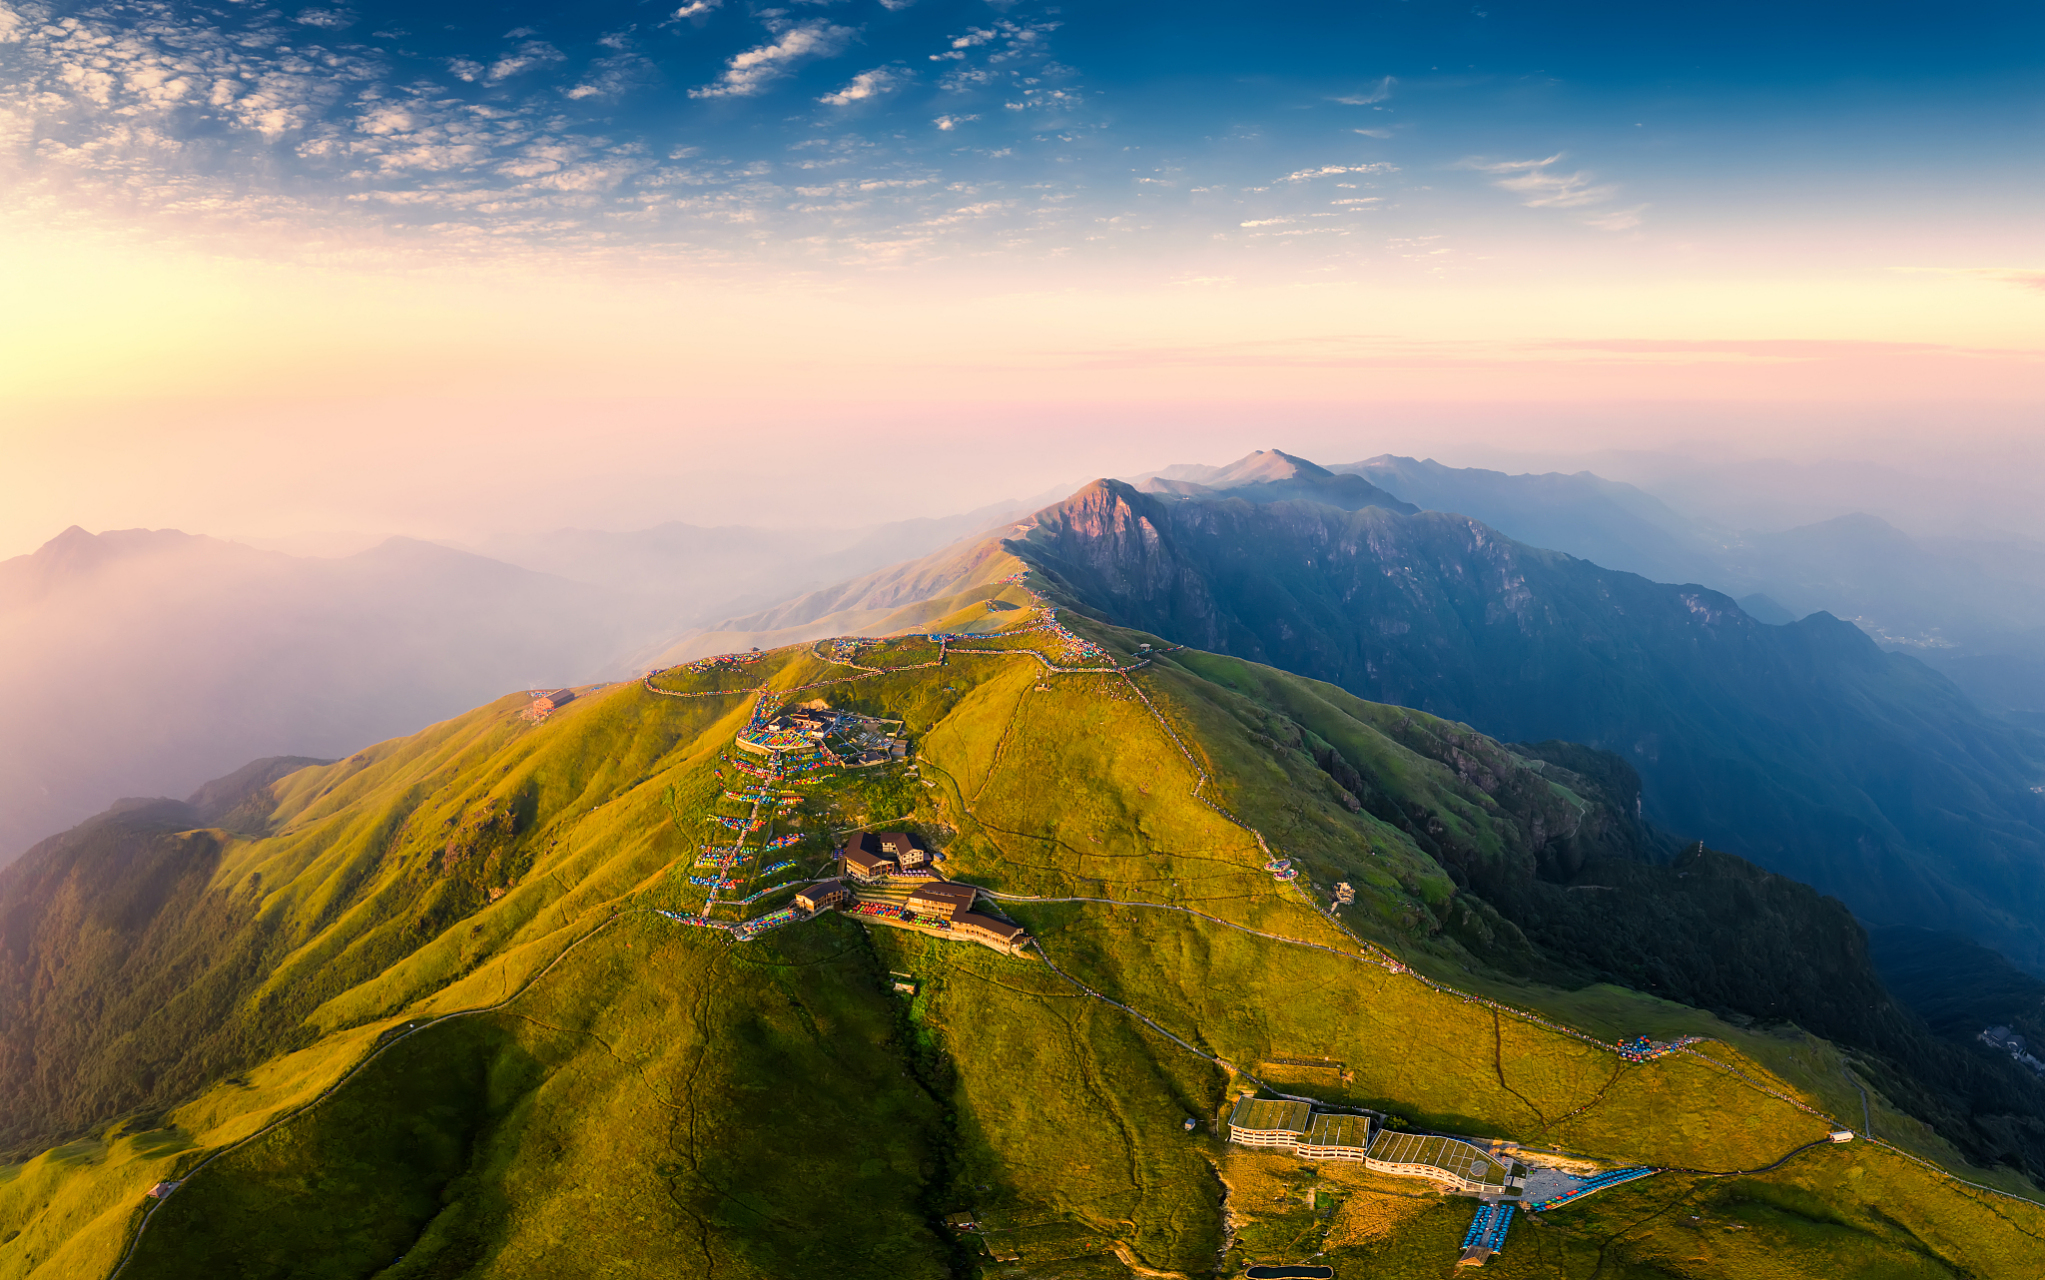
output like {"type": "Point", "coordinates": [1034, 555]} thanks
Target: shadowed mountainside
{"type": "Point", "coordinates": [1971, 606]}
{"type": "Point", "coordinates": [1804, 747]}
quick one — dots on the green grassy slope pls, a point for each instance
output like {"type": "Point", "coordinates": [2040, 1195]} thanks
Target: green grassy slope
{"type": "Point", "coordinates": [638, 1094]}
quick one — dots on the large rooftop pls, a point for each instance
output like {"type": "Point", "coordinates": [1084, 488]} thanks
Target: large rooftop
{"type": "Point", "coordinates": [1267, 1114]}
{"type": "Point", "coordinates": [1338, 1131]}
{"type": "Point", "coordinates": [1450, 1155]}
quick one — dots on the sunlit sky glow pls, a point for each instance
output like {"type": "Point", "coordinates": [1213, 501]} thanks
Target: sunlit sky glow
{"type": "Point", "coordinates": [443, 227]}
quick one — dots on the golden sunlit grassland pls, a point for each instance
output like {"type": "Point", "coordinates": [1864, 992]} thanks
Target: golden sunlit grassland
{"type": "Point", "coordinates": [663, 1102]}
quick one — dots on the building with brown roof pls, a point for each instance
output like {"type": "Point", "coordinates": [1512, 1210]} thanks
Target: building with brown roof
{"type": "Point", "coordinates": [946, 898]}
{"type": "Point", "coordinates": [989, 932]}
{"type": "Point", "coordinates": [824, 893]}
{"type": "Point", "coordinates": [902, 847]}
{"type": "Point", "coordinates": [864, 860]}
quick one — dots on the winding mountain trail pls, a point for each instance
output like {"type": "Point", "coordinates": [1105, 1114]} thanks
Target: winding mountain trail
{"type": "Point", "coordinates": [1365, 952]}
{"type": "Point", "coordinates": [1376, 955]}
{"type": "Point", "coordinates": [382, 1046]}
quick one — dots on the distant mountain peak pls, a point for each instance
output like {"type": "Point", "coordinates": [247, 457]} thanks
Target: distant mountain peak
{"type": "Point", "coordinates": [1272, 475]}
{"type": "Point", "coordinates": [77, 554]}
{"type": "Point", "coordinates": [1263, 466]}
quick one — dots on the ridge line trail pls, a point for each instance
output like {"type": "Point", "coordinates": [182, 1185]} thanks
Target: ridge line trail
{"type": "Point", "coordinates": [1371, 953]}
{"type": "Point", "coordinates": [1498, 1066]}
{"type": "Point", "coordinates": [377, 1049]}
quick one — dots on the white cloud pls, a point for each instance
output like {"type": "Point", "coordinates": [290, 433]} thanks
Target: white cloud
{"type": "Point", "coordinates": [1540, 186]}
{"type": "Point", "coordinates": [867, 84]}
{"type": "Point", "coordinates": [698, 8]}
{"type": "Point", "coordinates": [611, 77]}
{"type": "Point", "coordinates": [1373, 133]}
{"type": "Point", "coordinates": [328, 19]}
{"type": "Point", "coordinates": [529, 56]}
{"type": "Point", "coordinates": [1045, 99]}
{"type": "Point", "coordinates": [154, 107]}
{"type": "Point", "coordinates": [1376, 93]}
{"type": "Point", "coordinates": [589, 177]}
{"type": "Point", "coordinates": [1265, 222]}
{"type": "Point", "coordinates": [1329, 170]}
{"type": "Point", "coordinates": [1618, 219]}
{"type": "Point", "coordinates": [751, 72]}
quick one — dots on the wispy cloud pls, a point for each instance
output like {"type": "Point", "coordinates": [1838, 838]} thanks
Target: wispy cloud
{"type": "Point", "coordinates": [986, 54]}
{"type": "Point", "coordinates": [2021, 277]}
{"type": "Point", "coordinates": [530, 56]}
{"type": "Point", "coordinates": [750, 72]}
{"type": "Point", "coordinates": [1375, 94]}
{"type": "Point", "coordinates": [330, 19]}
{"type": "Point", "coordinates": [867, 84]}
{"type": "Point", "coordinates": [1331, 170]}
{"type": "Point", "coordinates": [1540, 185]}
{"type": "Point", "coordinates": [612, 77]}
{"type": "Point", "coordinates": [1045, 100]}
{"type": "Point", "coordinates": [1617, 219]}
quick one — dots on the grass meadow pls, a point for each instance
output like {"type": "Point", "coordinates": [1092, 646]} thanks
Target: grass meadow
{"type": "Point", "coordinates": [642, 1097]}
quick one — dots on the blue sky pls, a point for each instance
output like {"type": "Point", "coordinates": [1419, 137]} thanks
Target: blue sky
{"type": "Point", "coordinates": [333, 266]}
{"type": "Point", "coordinates": [884, 131]}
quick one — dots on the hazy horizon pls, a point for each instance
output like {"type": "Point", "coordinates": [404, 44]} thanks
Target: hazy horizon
{"type": "Point", "coordinates": [347, 268]}
{"type": "Point", "coordinates": [310, 279]}
{"type": "Point", "coordinates": [347, 511]}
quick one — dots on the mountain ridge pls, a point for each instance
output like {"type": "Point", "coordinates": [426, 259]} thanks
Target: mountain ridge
{"type": "Point", "coordinates": [1440, 612]}
{"type": "Point", "coordinates": [493, 858]}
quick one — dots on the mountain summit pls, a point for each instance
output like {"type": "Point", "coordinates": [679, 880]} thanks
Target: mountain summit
{"type": "Point", "coordinates": [1786, 745]}
{"type": "Point", "coordinates": [1269, 475]}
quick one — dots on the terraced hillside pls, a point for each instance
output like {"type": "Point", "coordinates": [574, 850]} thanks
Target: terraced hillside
{"type": "Point", "coordinates": [469, 1011]}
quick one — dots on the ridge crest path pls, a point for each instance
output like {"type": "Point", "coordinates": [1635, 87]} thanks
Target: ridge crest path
{"type": "Point", "coordinates": [1370, 953]}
